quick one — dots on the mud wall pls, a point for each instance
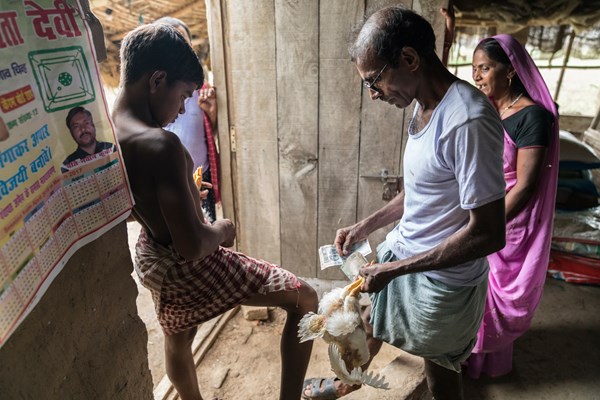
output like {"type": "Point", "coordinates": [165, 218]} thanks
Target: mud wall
{"type": "Point", "coordinates": [84, 339]}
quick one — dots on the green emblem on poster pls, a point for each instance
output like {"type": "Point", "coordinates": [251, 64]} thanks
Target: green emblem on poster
{"type": "Point", "coordinates": [63, 77]}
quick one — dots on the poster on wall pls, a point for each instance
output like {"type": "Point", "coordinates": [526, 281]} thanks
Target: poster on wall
{"type": "Point", "coordinates": [62, 181]}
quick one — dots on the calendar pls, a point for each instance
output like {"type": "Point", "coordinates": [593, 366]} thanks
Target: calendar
{"type": "Point", "coordinates": [57, 192]}
{"type": "Point", "coordinates": [108, 177]}
{"type": "Point", "coordinates": [48, 256]}
{"type": "Point", "coordinates": [4, 273]}
{"type": "Point", "coordinates": [10, 308]}
{"type": "Point", "coordinates": [37, 226]}
{"type": "Point", "coordinates": [82, 190]}
{"type": "Point", "coordinates": [115, 201]}
{"type": "Point", "coordinates": [90, 217]}
{"type": "Point", "coordinates": [66, 234]}
{"type": "Point", "coordinates": [28, 279]}
{"type": "Point", "coordinates": [57, 206]}
{"type": "Point", "coordinates": [17, 249]}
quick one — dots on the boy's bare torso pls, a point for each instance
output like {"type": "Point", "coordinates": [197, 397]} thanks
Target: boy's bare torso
{"type": "Point", "coordinates": [145, 150]}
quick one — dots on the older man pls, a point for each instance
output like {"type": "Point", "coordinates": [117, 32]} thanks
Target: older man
{"type": "Point", "coordinates": [429, 285]}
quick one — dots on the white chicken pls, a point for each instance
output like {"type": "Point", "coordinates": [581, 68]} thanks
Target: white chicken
{"type": "Point", "coordinates": [339, 323]}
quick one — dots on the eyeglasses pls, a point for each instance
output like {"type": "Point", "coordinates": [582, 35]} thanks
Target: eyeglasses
{"type": "Point", "coordinates": [371, 85]}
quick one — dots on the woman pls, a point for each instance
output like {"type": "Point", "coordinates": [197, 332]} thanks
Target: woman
{"type": "Point", "coordinates": [505, 72]}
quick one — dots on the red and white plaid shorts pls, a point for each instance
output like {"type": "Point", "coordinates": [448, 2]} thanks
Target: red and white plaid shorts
{"type": "Point", "coordinates": [189, 292]}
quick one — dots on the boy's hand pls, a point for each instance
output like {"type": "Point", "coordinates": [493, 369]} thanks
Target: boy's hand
{"type": "Point", "coordinates": [227, 229]}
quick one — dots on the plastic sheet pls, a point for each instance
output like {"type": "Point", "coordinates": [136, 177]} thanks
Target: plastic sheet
{"type": "Point", "coordinates": [583, 225]}
{"type": "Point", "coordinates": [575, 255]}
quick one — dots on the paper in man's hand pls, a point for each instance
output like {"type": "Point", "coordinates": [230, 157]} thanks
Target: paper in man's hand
{"type": "Point", "coordinates": [352, 265]}
{"type": "Point", "coordinates": [329, 257]}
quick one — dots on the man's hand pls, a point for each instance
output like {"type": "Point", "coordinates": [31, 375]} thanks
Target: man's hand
{"type": "Point", "coordinates": [346, 237]}
{"type": "Point", "coordinates": [377, 276]}
{"type": "Point", "coordinates": [207, 101]}
{"type": "Point", "coordinates": [227, 229]}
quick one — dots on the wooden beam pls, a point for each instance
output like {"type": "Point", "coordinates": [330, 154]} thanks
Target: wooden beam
{"type": "Point", "coordinates": [564, 65]}
{"type": "Point", "coordinates": [218, 57]}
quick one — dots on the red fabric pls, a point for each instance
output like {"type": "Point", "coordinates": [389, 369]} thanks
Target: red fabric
{"type": "Point", "coordinates": [574, 268]}
{"type": "Point", "coordinates": [213, 156]}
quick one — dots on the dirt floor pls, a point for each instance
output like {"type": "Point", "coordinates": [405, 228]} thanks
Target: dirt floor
{"type": "Point", "coordinates": [249, 353]}
{"type": "Point", "coordinates": [556, 360]}
{"type": "Point", "coordinates": [559, 357]}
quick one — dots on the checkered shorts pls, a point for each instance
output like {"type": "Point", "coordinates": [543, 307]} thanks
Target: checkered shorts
{"type": "Point", "coordinates": [189, 292]}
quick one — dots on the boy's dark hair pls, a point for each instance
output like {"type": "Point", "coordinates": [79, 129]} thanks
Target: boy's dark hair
{"type": "Point", "coordinates": [76, 110]}
{"type": "Point", "coordinates": [494, 51]}
{"type": "Point", "coordinates": [384, 33]}
{"type": "Point", "coordinates": [159, 47]}
{"type": "Point", "coordinates": [175, 23]}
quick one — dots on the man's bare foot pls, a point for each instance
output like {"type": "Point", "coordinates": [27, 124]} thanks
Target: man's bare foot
{"type": "Point", "coordinates": [326, 388]}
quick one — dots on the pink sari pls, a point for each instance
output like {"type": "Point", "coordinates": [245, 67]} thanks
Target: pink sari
{"type": "Point", "coordinates": [517, 272]}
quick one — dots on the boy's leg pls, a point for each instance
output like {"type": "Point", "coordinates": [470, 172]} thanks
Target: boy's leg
{"type": "Point", "coordinates": [180, 364]}
{"type": "Point", "coordinates": [294, 355]}
{"type": "Point", "coordinates": [374, 347]}
{"type": "Point", "coordinates": [443, 383]}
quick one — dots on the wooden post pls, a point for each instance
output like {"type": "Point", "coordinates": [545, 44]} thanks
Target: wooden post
{"type": "Point", "coordinates": [564, 65]}
{"type": "Point", "coordinates": [217, 56]}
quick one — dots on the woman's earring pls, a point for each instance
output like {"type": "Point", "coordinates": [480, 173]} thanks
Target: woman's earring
{"type": "Point", "coordinates": [509, 81]}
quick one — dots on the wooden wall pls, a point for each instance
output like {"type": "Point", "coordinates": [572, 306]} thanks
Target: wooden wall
{"type": "Point", "coordinates": [296, 129]}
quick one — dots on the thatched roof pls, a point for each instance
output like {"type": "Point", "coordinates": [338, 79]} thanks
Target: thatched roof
{"type": "Point", "coordinates": [514, 15]}
{"type": "Point", "coordinates": [120, 16]}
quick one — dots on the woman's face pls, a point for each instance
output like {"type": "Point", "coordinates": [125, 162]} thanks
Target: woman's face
{"type": "Point", "coordinates": [490, 77]}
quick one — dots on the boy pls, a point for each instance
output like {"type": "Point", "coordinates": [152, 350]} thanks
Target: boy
{"type": "Point", "coordinates": [181, 259]}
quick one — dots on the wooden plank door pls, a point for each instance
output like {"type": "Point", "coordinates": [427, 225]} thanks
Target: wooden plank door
{"type": "Point", "coordinates": [297, 130]}
{"type": "Point", "coordinates": [297, 40]}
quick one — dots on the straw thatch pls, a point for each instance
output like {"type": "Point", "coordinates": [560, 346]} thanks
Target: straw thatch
{"type": "Point", "coordinates": [513, 16]}
{"type": "Point", "coordinates": [120, 16]}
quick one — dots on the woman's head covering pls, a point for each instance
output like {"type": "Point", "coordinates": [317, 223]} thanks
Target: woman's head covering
{"type": "Point", "coordinates": [528, 73]}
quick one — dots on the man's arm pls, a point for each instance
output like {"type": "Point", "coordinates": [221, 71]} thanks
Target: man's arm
{"type": "Point", "coordinates": [191, 237]}
{"type": "Point", "coordinates": [346, 237]}
{"type": "Point", "coordinates": [483, 235]}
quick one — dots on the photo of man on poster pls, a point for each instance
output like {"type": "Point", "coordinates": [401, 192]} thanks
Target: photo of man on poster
{"type": "Point", "coordinates": [83, 131]}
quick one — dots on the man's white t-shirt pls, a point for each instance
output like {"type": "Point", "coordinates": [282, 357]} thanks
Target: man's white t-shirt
{"type": "Point", "coordinates": [451, 166]}
{"type": "Point", "coordinates": [189, 126]}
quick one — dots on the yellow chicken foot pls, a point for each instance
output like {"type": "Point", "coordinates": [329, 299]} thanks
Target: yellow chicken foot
{"type": "Point", "coordinates": [354, 287]}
